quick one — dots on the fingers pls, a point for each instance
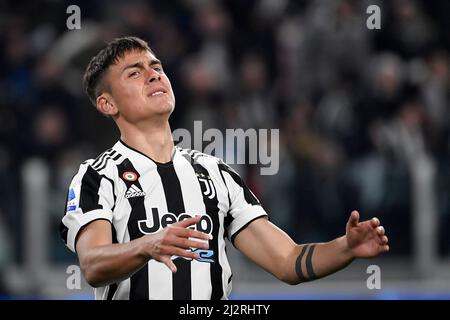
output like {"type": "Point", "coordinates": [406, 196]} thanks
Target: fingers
{"type": "Point", "coordinates": [354, 218]}
{"type": "Point", "coordinates": [173, 251]}
{"type": "Point", "coordinates": [188, 222]}
{"type": "Point", "coordinates": [189, 233]}
{"type": "Point", "coordinates": [383, 241]}
{"type": "Point", "coordinates": [380, 230]}
{"type": "Point", "coordinates": [180, 229]}
{"type": "Point", "coordinates": [169, 263]}
{"type": "Point", "coordinates": [374, 222]}
{"type": "Point", "coordinates": [186, 243]}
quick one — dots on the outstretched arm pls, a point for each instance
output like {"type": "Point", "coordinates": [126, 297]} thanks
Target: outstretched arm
{"type": "Point", "coordinates": [273, 250]}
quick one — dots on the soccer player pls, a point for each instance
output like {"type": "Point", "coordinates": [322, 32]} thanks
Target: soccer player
{"type": "Point", "coordinates": [148, 220]}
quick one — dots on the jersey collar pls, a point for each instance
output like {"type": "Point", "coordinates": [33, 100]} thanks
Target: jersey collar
{"type": "Point", "coordinates": [125, 149]}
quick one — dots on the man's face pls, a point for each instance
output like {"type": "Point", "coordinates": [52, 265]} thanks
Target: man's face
{"type": "Point", "coordinates": [139, 87]}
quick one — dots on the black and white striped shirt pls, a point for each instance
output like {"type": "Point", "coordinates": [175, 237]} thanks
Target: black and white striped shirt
{"type": "Point", "coordinates": [140, 196]}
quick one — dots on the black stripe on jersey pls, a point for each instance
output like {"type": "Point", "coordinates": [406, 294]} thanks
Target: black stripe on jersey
{"type": "Point", "coordinates": [104, 160]}
{"type": "Point", "coordinates": [111, 291]}
{"type": "Point", "coordinates": [228, 218]}
{"type": "Point", "coordinates": [212, 210]}
{"type": "Point", "coordinates": [139, 280]}
{"type": "Point", "coordinates": [90, 185]}
{"type": "Point", "coordinates": [174, 198]}
{"type": "Point", "coordinates": [248, 195]}
{"type": "Point", "coordinates": [100, 158]}
{"type": "Point", "coordinates": [226, 223]}
{"type": "Point", "coordinates": [63, 230]}
{"type": "Point", "coordinates": [117, 156]}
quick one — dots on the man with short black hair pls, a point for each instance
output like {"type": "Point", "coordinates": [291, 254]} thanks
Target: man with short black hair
{"type": "Point", "coordinates": [148, 220]}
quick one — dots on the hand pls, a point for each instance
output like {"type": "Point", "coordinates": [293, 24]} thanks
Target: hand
{"type": "Point", "coordinates": [365, 239]}
{"type": "Point", "coordinates": [174, 240]}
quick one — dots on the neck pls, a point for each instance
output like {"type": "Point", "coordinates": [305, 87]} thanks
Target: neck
{"type": "Point", "coordinates": [154, 141]}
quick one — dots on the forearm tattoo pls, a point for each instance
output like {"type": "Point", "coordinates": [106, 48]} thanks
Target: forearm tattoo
{"type": "Point", "coordinates": [307, 262]}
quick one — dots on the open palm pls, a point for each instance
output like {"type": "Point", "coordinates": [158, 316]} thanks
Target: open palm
{"type": "Point", "coordinates": [365, 239]}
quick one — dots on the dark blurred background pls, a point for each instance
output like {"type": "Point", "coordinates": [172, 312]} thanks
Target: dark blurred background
{"type": "Point", "coordinates": [363, 117]}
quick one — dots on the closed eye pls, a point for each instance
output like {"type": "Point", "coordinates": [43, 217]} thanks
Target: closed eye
{"type": "Point", "coordinates": [133, 74]}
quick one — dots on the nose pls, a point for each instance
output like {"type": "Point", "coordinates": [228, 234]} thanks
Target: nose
{"type": "Point", "coordinates": [153, 75]}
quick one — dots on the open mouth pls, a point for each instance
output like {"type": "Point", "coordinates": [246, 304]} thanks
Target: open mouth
{"type": "Point", "coordinates": [157, 93]}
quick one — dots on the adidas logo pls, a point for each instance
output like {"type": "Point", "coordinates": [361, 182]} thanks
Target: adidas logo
{"type": "Point", "coordinates": [134, 191]}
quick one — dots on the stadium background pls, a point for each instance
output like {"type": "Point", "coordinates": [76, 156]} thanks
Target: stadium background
{"type": "Point", "coordinates": [363, 118]}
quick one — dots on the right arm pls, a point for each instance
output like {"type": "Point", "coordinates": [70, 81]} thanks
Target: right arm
{"type": "Point", "coordinates": [103, 262]}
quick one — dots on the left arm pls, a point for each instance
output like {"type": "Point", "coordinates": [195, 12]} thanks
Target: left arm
{"type": "Point", "coordinates": [273, 250]}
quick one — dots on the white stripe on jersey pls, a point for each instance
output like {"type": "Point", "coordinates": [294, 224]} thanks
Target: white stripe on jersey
{"type": "Point", "coordinates": [193, 202]}
{"type": "Point", "coordinates": [159, 275]}
{"type": "Point", "coordinates": [160, 281]}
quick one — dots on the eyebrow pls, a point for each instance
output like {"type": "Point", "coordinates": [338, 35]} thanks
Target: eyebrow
{"type": "Point", "coordinates": [140, 65]}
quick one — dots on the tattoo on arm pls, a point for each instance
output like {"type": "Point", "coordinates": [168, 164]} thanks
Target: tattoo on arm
{"type": "Point", "coordinates": [307, 262]}
{"type": "Point", "coordinates": [298, 264]}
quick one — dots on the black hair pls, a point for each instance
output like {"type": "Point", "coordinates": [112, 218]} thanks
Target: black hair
{"type": "Point", "coordinates": [95, 70]}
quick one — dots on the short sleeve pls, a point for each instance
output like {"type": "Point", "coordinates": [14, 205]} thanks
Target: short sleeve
{"type": "Point", "coordinates": [90, 197]}
{"type": "Point", "coordinates": [244, 206]}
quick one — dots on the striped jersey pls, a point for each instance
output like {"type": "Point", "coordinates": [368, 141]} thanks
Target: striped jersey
{"type": "Point", "coordinates": [140, 196]}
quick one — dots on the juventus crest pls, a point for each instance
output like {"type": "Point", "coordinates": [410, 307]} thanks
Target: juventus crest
{"type": "Point", "coordinates": [206, 185]}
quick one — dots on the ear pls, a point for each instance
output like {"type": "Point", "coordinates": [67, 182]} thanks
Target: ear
{"type": "Point", "coordinates": [106, 105]}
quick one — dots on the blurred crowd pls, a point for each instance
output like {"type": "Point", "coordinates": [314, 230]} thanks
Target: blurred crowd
{"type": "Point", "coordinates": [356, 108]}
